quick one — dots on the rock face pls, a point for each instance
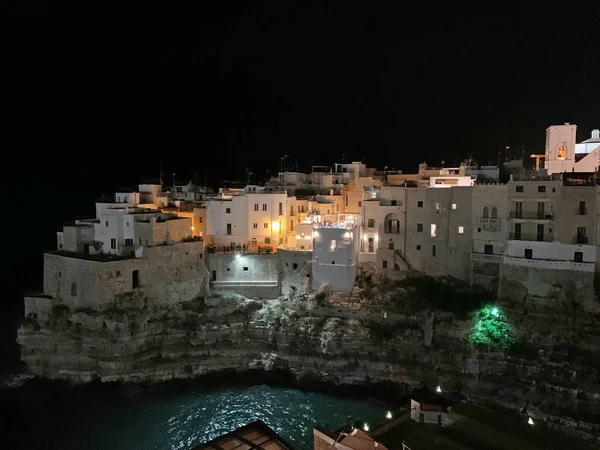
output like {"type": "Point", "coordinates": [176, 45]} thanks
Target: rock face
{"type": "Point", "coordinates": [383, 332]}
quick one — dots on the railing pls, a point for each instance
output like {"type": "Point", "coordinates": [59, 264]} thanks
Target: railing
{"type": "Point", "coordinates": [531, 215]}
{"type": "Point", "coordinates": [581, 239]}
{"type": "Point", "coordinates": [530, 237]}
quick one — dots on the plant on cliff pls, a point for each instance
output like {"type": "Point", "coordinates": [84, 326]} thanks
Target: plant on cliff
{"type": "Point", "coordinates": [491, 329]}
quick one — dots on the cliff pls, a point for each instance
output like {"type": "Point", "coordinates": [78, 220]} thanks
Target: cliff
{"type": "Point", "coordinates": [411, 333]}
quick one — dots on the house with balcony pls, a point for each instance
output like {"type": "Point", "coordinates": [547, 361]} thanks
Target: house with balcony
{"type": "Point", "coordinates": [490, 233]}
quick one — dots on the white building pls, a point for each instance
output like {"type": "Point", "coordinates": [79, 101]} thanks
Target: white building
{"type": "Point", "coordinates": [254, 217]}
{"type": "Point", "coordinates": [564, 155]}
{"type": "Point", "coordinates": [335, 250]}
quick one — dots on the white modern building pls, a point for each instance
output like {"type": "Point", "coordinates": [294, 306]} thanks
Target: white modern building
{"type": "Point", "coordinates": [335, 250]}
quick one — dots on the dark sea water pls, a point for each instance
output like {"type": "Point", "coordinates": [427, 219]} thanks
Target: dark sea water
{"type": "Point", "coordinates": [168, 416]}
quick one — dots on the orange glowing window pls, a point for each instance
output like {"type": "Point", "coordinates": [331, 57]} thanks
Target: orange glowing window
{"type": "Point", "coordinates": [561, 152]}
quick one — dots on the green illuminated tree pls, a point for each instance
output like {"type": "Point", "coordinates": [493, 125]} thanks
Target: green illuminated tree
{"type": "Point", "coordinates": [492, 329]}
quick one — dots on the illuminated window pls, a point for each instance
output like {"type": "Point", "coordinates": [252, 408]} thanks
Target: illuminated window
{"type": "Point", "coordinates": [332, 245]}
{"type": "Point", "coordinates": [461, 230]}
{"type": "Point", "coordinates": [454, 206]}
{"type": "Point", "coordinates": [561, 152]}
{"type": "Point", "coordinates": [438, 207]}
{"type": "Point", "coordinates": [433, 230]}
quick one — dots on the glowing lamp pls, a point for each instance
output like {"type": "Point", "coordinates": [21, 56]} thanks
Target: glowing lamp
{"type": "Point", "coordinates": [366, 427]}
{"type": "Point", "coordinates": [438, 389]}
{"type": "Point", "coordinates": [495, 311]}
{"type": "Point", "coordinates": [275, 226]}
{"type": "Point", "coordinates": [530, 421]}
{"type": "Point", "coordinates": [238, 256]}
{"type": "Point", "coordinates": [388, 415]}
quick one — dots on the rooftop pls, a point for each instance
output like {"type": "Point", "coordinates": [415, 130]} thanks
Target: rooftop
{"type": "Point", "coordinates": [102, 257]}
{"type": "Point", "coordinates": [256, 436]}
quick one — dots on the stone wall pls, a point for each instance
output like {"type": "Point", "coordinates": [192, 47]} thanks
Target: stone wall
{"type": "Point", "coordinates": [165, 274]}
{"type": "Point", "coordinates": [547, 286]}
{"type": "Point", "coordinates": [234, 267]}
{"type": "Point", "coordinates": [294, 270]}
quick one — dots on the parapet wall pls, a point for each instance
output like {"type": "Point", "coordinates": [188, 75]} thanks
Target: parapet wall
{"type": "Point", "coordinates": [162, 275]}
{"type": "Point", "coordinates": [295, 272]}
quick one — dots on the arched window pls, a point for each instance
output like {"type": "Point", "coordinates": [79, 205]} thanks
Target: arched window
{"type": "Point", "coordinates": [494, 213]}
{"type": "Point", "coordinates": [486, 212]}
{"type": "Point", "coordinates": [267, 240]}
{"type": "Point", "coordinates": [392, 224]}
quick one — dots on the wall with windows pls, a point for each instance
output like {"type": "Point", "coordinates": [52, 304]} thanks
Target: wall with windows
{"type": "Point", "coordinates": [162, 275]}
{"type": "Point", "coordinates": [335, 255]}
{"type": "Point", "coordinates": [226, 220]}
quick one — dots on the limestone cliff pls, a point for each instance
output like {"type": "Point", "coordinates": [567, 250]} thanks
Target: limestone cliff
{"type": "Point", "coordinates": [385, 331]}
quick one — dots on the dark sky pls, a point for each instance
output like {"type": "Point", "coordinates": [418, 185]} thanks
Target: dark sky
{"type": "Point", "coordinates": [239, 84]}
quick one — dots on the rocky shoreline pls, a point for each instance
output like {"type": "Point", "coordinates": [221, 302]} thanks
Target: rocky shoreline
{"type": "Point", "coordinates": [386, 337]}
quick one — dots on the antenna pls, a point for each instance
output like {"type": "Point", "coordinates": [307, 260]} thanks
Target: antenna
{"type": "Point", "coordinates": [161, 172]}
{"type": "Point", "coordinates": [174, 179]}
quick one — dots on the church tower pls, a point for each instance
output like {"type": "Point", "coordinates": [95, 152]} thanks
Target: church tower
{"type": "Point", "coordinates": [560, 148]}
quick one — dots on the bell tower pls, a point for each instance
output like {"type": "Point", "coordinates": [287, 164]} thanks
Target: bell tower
{"type": "Point", "coordinates": [560, 148]}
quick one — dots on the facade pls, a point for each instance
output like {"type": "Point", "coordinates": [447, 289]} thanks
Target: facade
{"type": "Point", "coordinates": [335, 250]}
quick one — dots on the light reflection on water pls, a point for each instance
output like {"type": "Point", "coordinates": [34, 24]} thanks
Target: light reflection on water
{"type": "Point", "coordinates": [163, 419]}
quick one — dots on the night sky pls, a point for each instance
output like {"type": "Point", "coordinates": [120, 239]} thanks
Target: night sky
{"type": "Point", "coordinates": [94, 105]}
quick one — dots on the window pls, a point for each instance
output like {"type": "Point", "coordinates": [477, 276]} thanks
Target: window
{"type": "Point", "coordinates": [454, 206]}
{"type": "Point", "coordinates": [73, 289]}
{"type": "Point", "coordinates": [295, 266]}
{"type": "Point", "coordinates": [228, 228]}
{"type": "Point", "coordinates": [113, 243]}
{"type": "Point", "coordinates": [528, 253]}
{"type": "Point", "coordinates": [371, 223]}
{"type": "Point", "coordinates": [265, 225]}
{"type": "Point", "coordinates": [420, 204]}
{"type": "Point", "coordinates": [394, 202]}
{"type": "Point", "coordinates": [201, 219]}
{"type": "Point", "coordinates": [541, 188]}
{"type": "Point", "coordinates": [127, 223]}
{"type": "Point", "coordinates": [390, 246]}
{"type": "Point", "coordinates": [292, 225]}
{"type": "Point", "coordinates": [461, 230]}
{"type": "Point", "coordinates": [245, 269]}
{"type": "Point", "coordinates": [433, 230]}
{"type": "Point", "coordinates": [125, 200]}
{"type": "Point", "coordinates": [519, 189]}
{"type": "Point", "coordinates": [578, 257]}
{"type": "Point", "coordinates": [582, 208]}
{"type": "Point", "coordinates": [254, 225]}
{"type": "Point", "coordinates": [280, 209]}
{"type": "Point", "coordinates": [227, 210]}
{"type": "Point", "coordinates": [419, 228]}
{"type": "Point", "coordinates": [106, 223]}
{"type": "Point", "coordinates": [332, 245]}
{"type": "Point", "coordinates": [264, 206]}
{"type": "Point", "coordinates": [488, 249]}
{"type": "Point", "coordinates": [418, 247]}
{"type": "Point", "coordinates": [486, 212]}
{"type": "Point", "coordinates": [135, 279]}
{"type": "Point", "coordinates": [438, 207]}
{"type": "Point", "coordinates": [256, 207]}
{"type": "Point", "coordinates": [359, 204]}
{"type": "Point", "coordinates": [494, 213]}
{"type": "Point", "coordinates": [128, 241]}
{"type": "Point", "coordinates": [384, 264]}
{"type": "Point", "coordinates": [433, 250]}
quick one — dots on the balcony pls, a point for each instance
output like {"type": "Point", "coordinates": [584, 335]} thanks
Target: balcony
{"type": "Point", "coordinates": [581, 239]}
{"type": "Point", "coordinates": [530, 237]}
{"type": "Point", "coordinates": [531, 215]}
{"type": "Point", "coordinates": [489, 224]}
{"type": "Point", "coordinates": [486, 257]}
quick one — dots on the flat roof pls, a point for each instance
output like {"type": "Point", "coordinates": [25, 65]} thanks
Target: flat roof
{"type": "Point", "coordinates": [255, 435]}
{"type": "Point", "coordinates": [101, 257]}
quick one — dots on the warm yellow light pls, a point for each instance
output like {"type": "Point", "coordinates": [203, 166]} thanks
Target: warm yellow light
{"type": "Point", "coordinates": [192, 228]}
{"type": "Point", "coordinates": [275, 226]}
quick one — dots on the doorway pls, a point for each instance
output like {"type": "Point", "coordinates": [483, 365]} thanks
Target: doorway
{"type": "Point", "coordinates": [135, 279]}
